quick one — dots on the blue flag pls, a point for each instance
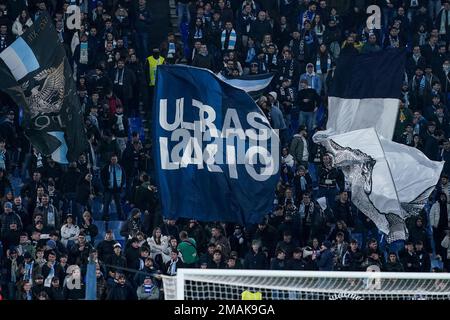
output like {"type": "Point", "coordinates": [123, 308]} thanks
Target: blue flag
{"type": "Point", "coordinates": [217, 158]}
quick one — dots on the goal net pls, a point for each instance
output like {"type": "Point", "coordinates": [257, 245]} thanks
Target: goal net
{"type": "Point", "coordinates": [208, 284]}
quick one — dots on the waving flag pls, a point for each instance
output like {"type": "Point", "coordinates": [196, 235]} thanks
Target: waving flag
{"type": "Point", "coordinates": [365, 93]}
{"type": "Point", "coordinates": [35, 72]}
{"type": "Point", "coordinates": [216, 154]}
{"type": "Point", "coordinates": [380, 173]}
{"type": "Point", "coordinates": [254, 85]}
{"type": "Point", "coordinates": [389, 181]}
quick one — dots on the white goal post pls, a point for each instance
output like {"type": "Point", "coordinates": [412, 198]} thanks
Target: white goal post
{"type": "Point", "coordinates": [226, 284]}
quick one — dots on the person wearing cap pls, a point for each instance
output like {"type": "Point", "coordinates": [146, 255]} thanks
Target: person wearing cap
{"type": "Point", "coordinates": [325, 260]}
{"type": "Point", "coordinates": [297, 262]}
{"type": "Point", "coordinates": [8, 218]}
{"type": "Point", "coordinates": [115, 260]}
{"type": "Point", "coordinates": [38, 286]}
{"type": "Point", "coordinates": [56, 290]}
{"type": "Point", "coordinates": [148, 290]}
{"type": "Point", "coordinates": [121, 289]}
{"type": "Point", "coordinates": [12, 268]}
{"type": "Point", "coordinates": [312, 79]}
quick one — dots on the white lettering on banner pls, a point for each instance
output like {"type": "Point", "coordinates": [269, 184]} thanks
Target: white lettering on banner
{"type": "Point", "coordinates": [374, 20]}
{"type": "Point", "coordinates": [73, 21]}
{"type": "Point", "coordinates": [200, 143]}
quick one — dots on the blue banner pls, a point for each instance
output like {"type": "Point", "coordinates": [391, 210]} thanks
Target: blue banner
{"type": "Point", "coordinates": [217, 158]}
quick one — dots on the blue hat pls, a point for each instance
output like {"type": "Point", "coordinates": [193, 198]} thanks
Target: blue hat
{"type": "Point", "coordinates": [8, 205]}
{"type": "Point", "coordinates": [51, 244]}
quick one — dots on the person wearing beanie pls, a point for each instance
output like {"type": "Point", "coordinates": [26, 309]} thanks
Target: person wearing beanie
{"type": "Point", "coordinates": [148, 290]}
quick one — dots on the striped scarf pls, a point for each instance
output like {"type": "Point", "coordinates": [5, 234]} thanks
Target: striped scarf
{"type": "Point", "coordinates": [318, 64]}
{"type": "Point", "coordinates": [118, 176]}
{"type": "Point", "coordinates": [231, 40]}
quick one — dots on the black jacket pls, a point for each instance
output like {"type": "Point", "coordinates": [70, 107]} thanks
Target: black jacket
{"type": "Point", "coordinates": [121, 292]}
{"type": "Point", "coordinates": [105, 249]}
{"type": "Point", "coordinates": [313, 100]}
{"type": "Point", "coordinates": [255, 261]}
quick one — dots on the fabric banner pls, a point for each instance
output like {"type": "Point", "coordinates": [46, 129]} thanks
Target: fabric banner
{"type": "Point", "coordinates": [35, 72]}
{"type": "Point", "coordinates": [365, 93]}
{"type": "Point", "coordinates": [216, 154]}
{"type": "Point", "coordinates": [380, 172]}
{"type": "Point", "coordinates": [254, 85]}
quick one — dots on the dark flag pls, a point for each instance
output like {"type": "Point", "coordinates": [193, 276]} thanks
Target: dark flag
{"type": "Point", "coordinates": [216, 154]}
{"type": "Point", "coordinates": [35, 72]}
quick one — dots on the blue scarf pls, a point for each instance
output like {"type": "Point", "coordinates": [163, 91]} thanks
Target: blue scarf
{"type": "Point", "coordinates": [231, 41]}
{"type": "Point", "coordinates": [3, 159]}
{"type": "Point", "coordinates": [51, 274]}
{"type": "Point", "coordinates": [303, 183]}
{"type": "Point", "coordinates": [118, 176]}
{"type": "Point", "coordinates": [319, 65]}
{"type": "Point", "coordinates": [251, 53]}
{"type": "Point", "coordinates": [28, 271]}
{"type": "Point", "coordinates": [148, 288]}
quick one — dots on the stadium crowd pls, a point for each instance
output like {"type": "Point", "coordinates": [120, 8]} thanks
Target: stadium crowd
{"type": "Point", "coordinates": [53, 216]}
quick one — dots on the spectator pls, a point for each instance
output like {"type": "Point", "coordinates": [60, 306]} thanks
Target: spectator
{"type": "Point", "coordinates": [148, 291]}
{"type": "Point", "coordinates": [324, 260]}
{"type": "Point", "coordinates": [113, 179]}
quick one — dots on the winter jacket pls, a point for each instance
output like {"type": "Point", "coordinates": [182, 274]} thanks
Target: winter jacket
{"type": "Point", "coordinates": [298, 148]}
{"type": "Point", "coordinates": [152, 295]}
{"type": "Point", "coordinates": [17, 27]}
{"type": "Point", "coordinates": [121, 292]}
{"type": "Point", "coordinates": [325, 261]}
{"type": "Point", "coordinates": [255, 261]}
